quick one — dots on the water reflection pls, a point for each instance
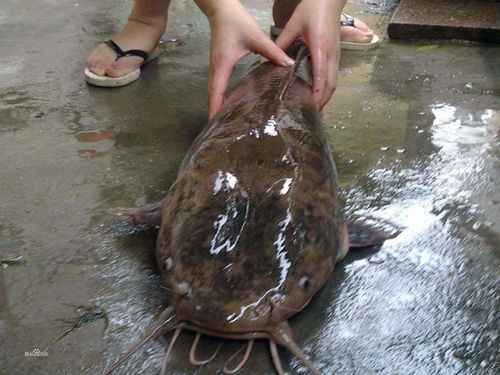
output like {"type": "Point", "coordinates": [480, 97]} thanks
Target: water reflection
{"type": "Point", "coordinates": [456, 126]}
{"type": "Point", "coordinates": [229, 226]}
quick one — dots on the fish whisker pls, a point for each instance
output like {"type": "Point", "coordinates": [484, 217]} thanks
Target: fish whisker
{"type": "Point", "coordinates": [192, 353]}
{"type": "Point", "coordinates": [244, 360]}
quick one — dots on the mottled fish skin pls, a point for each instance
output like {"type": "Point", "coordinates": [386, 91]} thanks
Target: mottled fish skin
{"type": "Point", "coordinates": [252, 227]}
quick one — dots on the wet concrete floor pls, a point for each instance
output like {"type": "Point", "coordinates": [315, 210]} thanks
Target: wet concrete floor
{"type": "Point", "coordinates": [415, 133]}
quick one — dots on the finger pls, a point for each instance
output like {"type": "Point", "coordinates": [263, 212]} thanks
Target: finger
{"type": "Point", "coordinates": [319, 64]}
{"type": "Point", "coordinates": [272, 52]}
{"type": "Point", "coordinates": [331, 81]}
{"type": "Point", "coordinates": [332, 70]}
{"type": "Point", "coordinates": [220, 72]}
{"type": "Point", "coordinates": [286, 38]}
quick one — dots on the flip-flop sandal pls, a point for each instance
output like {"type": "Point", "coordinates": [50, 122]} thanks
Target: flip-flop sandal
{"type": "Point", "coordinates": [349, 21]}
{"type": "Point", "coordinates": [107, 81]}
{"type": "Point", "coordinates": [276, 31]}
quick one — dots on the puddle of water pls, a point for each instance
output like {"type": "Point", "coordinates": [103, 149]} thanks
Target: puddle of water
{"type": "Point", "coordinates": [455, 126]}
{"type": "Point", "coordinates": [11, 65]}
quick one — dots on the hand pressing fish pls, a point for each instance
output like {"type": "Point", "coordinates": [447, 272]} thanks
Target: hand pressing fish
{"type": "Point", "coordinates": [252, 227]}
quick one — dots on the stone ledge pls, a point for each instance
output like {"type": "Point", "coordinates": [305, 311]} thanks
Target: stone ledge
{"type": "Point", "coordinates": [476, 20]}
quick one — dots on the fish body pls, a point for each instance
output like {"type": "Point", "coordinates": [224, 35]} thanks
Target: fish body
{"type": "Point", "coordinates": [253, 221]}
{"type": "Point", "coordinates": [252, 227]}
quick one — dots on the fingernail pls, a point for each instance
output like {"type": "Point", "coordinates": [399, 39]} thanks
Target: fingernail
{"type": "Point", "coordinates": [289, 61]}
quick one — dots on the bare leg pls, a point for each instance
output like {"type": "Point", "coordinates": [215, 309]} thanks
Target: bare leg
{"type": "Point", "coordinates": [146, 24]}
{"type": "Point", "coordinates": [361, 33]}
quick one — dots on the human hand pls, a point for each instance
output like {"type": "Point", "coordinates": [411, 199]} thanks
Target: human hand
{"type": "Point", "coordinates": [235, 33]}
{"type": "Point", "coordinates": [316, 24]}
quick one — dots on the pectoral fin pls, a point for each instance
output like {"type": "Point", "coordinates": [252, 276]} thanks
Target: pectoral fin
{"type": "Point", "coordinates": [370, 231]}
{"type": "Point", "coordinates": [148, 215]}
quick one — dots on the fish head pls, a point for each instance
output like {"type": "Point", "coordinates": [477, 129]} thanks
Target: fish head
{"type": "Point", "coordinates": [229, 292]}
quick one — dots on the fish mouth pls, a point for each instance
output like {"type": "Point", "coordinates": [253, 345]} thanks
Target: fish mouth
{"type": "Point", "coordinates": [278, 334]}
{"type": "Point", "coordinates": [223, 334]}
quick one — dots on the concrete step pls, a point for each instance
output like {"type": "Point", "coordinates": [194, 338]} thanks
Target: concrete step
{"type": "Point", "coordinates": [477, 20]}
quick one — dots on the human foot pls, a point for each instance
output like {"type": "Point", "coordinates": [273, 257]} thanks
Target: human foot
{"type": "Point", "coordinates": [137, 34]}
{"type": "Point", "coordinates": [352, 30]}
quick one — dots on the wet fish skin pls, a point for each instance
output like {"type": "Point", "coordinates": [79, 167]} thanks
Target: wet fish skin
{"type": "Point", "coordinates": [252, 227]}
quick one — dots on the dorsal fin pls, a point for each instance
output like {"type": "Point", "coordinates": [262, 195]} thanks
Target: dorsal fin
{"type": "Point", "coordinates": [300, 52]}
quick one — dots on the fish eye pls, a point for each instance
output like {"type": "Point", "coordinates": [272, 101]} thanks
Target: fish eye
{"type": "Point", "coordinates": [184, 288]}
{"type": "Point", "coordinates": [167, 264]}
{"type": "Point", "coordinates": [304, 283]}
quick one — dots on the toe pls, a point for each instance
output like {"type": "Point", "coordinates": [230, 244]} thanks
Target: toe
{"type": "Point", "coordinates": [353, 35]}
{"type": "Point", "coordinates": [100, 58]}
{"type": "Point", "coordinates": [360, 25]}
{"type": "Point", "coordinates": [365, 37]}
{"type": "Point", "coordinates": [99, 70]}
{"type": "Point", "coordinates": [96, 67]}
{"type": "Point", "coordinates": [123, 66]}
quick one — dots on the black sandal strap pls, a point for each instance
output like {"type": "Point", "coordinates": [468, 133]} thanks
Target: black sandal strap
{"type": "Point", "coordinates": [349, 21]}
{"type": "Point", "coordinates": [121, 53]}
